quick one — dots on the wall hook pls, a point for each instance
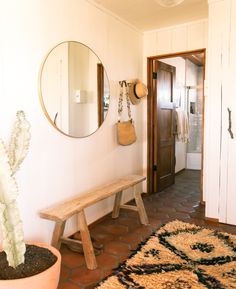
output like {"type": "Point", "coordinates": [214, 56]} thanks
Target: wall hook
{"type": "Point", "coordinates": [123, 82]}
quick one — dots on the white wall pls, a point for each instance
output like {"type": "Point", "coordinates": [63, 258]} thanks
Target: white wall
{"type": "Point", "coordinates": [194, 156]}
{"type": "Point", "coordinates": [180, 38]}
{"type": "Point", "coordinates": [58, 167]}
{"type": "Point", "coordinates": [185, 37]}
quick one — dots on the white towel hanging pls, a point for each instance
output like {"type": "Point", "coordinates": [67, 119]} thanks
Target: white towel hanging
{"type": "Point", "coordinates": [182, 125]}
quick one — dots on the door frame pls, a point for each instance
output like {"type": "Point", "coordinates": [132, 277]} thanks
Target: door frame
{"type": "Point", "coordinates": [150, 115]}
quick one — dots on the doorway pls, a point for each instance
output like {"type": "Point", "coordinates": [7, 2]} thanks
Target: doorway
{"type": "Point", "coordinates": [175, 100]}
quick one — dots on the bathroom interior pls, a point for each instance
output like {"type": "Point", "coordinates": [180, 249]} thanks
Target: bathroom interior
{"type": "Point", "coordinates": [188, 99]}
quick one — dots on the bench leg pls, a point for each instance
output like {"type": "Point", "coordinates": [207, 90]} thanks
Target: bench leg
{"type": "Point", "coordinates": [116, 208]}
{"type": "Point", "coordinates": [57, 234]}
{"type": "Point", "coordinates": [140, 206]}
{"type": "Point", "coordinates": [86, 242]}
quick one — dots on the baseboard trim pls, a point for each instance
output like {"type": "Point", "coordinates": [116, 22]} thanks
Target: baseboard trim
{"type": "Point", "coordinates": [98, 221]}
{"type": "Point", "coordinates": [213, 220]}
{"type": "Point", "coordinates": [180, 172]}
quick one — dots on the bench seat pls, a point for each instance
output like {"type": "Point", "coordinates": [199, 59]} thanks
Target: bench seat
{"type": "Point", "coordinates": [61, 212]}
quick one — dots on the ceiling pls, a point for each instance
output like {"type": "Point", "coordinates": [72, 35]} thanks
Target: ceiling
{"type": "Point", "coordinates": [148, 14]}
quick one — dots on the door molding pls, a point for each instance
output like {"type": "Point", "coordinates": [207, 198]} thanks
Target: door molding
{"type": "Point", "coordinates": [150, 114]}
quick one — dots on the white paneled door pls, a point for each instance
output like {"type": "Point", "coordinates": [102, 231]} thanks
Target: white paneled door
{"type": "Point", "coordinates": [231, 61]}
{"type": "Point", "coordinates": [227, 206]}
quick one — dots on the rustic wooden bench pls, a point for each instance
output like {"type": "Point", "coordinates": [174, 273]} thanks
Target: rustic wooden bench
{"type": "Point", "coordinates": [60, 213]}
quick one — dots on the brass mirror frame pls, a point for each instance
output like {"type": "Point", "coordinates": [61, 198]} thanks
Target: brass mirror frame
{"type": "Point", "coordinates": [100, 110]}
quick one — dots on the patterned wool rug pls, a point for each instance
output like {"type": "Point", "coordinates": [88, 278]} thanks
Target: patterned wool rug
{"type": "Point", "coordinates": [179, 256]}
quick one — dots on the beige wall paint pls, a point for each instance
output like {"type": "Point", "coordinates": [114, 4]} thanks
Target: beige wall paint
{"type": "Point", "coordinates": [58, 167]}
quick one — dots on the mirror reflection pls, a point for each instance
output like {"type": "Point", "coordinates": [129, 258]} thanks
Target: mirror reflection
{"type": "Point", "coordinates": [74, 89]}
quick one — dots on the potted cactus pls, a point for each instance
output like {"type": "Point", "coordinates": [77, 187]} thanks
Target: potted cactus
{"type": "Point", "coordinates": [22, 266]}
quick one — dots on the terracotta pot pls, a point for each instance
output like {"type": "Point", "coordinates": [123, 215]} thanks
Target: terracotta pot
{"type": "Point", "coordinates": [45, 280]}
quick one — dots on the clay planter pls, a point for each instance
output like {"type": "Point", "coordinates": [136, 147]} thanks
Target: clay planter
{"type": "Point", "coordinates": [47, 279]}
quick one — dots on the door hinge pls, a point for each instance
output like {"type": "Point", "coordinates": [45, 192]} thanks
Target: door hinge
{"type": "Point", "coordinates": [154, 75]}
{"type": "Point", "coordinates": [154, 168]}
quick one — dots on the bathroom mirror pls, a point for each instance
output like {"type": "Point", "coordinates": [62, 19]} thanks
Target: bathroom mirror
{"type": "Point", "coordinates": [74, 89]}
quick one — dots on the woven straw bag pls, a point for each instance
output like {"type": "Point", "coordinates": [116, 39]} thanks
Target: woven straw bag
{"type": "Point", "coordinates": [126, 134]}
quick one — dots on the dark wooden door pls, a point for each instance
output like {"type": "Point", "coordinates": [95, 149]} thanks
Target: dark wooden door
{"type": "Point", "coordinates": [164, 126]}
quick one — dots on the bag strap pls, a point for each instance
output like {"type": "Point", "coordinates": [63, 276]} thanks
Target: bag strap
{"type": "Point", "coordinates": [124, 91]}
{"type": "Point", "coordinates": [120, 102]}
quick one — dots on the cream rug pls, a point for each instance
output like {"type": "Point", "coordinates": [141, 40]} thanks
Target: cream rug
{"type": "Point", "coordinates": [179, 256]}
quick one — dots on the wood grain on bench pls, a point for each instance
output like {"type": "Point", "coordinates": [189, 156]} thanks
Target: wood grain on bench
{"type": "Point", "coordinates": [61, 212]}
{"type": "Point", "coordinates": [67, 209]}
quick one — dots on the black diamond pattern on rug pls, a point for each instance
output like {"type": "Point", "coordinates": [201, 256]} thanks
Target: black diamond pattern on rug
{"type": "Point", "coordinates": [179, 256]}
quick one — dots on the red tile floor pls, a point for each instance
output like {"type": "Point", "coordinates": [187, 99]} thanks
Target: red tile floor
{"type": "Point", "coordinates": [121, 236]}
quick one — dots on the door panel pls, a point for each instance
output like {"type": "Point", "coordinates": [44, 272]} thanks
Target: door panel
{"type": "Point", "coordinates": [165, 161]}
{"type": "Point", "coordinates": [164, 147]}
{"type": "Point", "coordinates": [229, 142]}
{"type": "Point", "coordinates": [165, 123]}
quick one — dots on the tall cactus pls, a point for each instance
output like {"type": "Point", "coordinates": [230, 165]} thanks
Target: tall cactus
{"type": "Point", "coordinates": [13, 237]}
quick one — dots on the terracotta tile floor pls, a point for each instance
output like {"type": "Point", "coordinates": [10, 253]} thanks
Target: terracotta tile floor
{"type": "Point", "coordinates": [121, 236]}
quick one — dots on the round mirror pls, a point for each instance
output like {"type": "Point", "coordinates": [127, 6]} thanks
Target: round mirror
{"type": "Point", "coordinates": [74, 89]}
